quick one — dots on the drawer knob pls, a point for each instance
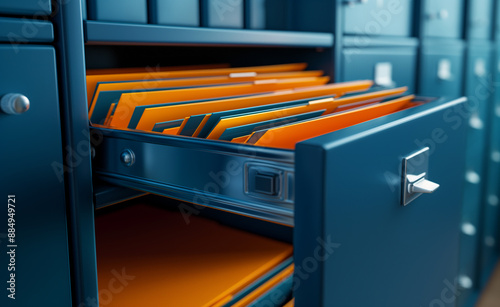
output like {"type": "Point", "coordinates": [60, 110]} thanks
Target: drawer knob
{"type": "Point", "coordinates": [14, 104]}
{"type": "Point", "coordinates": [127, 157]}
{"type": "Point", "coordinates": [465, 282]}
{"type": "Point", "coordinates": [418, 184]}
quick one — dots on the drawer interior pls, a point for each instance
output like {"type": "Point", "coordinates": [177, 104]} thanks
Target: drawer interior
{"type": "Point", "coordinates": [158, 254]}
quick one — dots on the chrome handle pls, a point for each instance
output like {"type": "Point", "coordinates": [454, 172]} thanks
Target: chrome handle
{"type": "Point", "coordinates": [418, 184]}
{"type": "Point", "coordinates": [14, 104]}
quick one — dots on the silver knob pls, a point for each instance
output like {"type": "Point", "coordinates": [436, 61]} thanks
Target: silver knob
{"type": "Point", "coordinates": [14, 104]}
{"type": "Point", "coordinates": [465, 282]}
{"type": "Point", "coordinates": [127, 157]}
{"type": "Point", "coordinates": [419, 184]}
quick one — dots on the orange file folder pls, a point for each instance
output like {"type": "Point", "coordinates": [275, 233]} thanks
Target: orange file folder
{"type": "Point", "coordinates": [186, 82]}
{"type": "Point", "coordinates": [92, 80]}
{"type": "Point", "coordinates": [287, 136]}
{"type": "Point", "coordinates": [175, 263]}
{"type": "Point", "coordinates": [152, 116]}
{"type": "Point", "coordinates": [128, 102]}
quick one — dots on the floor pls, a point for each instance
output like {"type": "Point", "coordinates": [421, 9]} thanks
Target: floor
{"type": "Point", "coordinates": [491, 295]}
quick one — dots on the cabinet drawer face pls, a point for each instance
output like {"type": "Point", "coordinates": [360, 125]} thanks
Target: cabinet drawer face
{"type": "Point", "coordinates": [441, 72]}
{"type": "Point", "coordinates": [223, 13]}
{"type": "Point", "coordinates": [388, 67]}
{"type": "Point", "coordinates": [26, 7]}
{"type": "Point", "coordinates": [133, 11]}
{"type": "Point", "coordinates": [172, 12]}
{"type": "Point", "coordinates": [402, 254]}
{"type": "Point", "coordinates": [480, 19]}
{"type": "Point", "coordinates": [31, 167]}
{"type": "Point", "coordinates": [443, 18]}
{"type": "Point", "coordinates": [381, 17]}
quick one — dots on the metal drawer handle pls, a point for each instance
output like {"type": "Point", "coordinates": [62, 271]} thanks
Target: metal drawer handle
{"type": "Point", "coordinates": [14, 104]}
{"type": "Point", "coordinates": [418, 184]}
{"type": "Point", "coordinates": [415, 185]}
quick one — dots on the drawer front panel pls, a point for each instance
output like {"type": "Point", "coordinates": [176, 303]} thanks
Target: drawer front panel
{"type": "Point", "coordinates": [352, 235]}
{"type": "Point", "coordinates": [388, 67]}
{"type": "Point", "coordinates": [443, 18]}
{"type": "Point", "coordinates": [134, 11]}
{"type": "Point", "coordinates": [31, 163]}
{"type": "Point", "coordinates": [176, 13]}
{"type": "Point", "coordinates": [441, 71]}
{"type": "Point", "coordinates": [480, 19]}
{"type": "Point", "coordinates": [26, 7]}
{"type": "Point", "coordinates": [223, 13]}
{"type": "Point", "coordinates": [381, 17]}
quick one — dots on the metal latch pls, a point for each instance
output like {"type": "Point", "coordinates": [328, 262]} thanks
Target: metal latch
{"type": "Point", "coordinates": [414, 181]}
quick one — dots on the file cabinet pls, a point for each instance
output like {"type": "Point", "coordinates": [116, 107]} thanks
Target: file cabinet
{"type": "Point", "coordinates": [388, 63]}
{"type": "Point", "coordinates": [38, 7]}
{"type": "Point", "coordinates": [343, 189]}
{"type": "Point", "coordinates": [479, 19]}
{"type": "Point", "coordinates": [34, 241]}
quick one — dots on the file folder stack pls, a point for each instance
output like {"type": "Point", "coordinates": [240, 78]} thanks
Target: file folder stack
{"type": "Point", "coordinates": [271, 106]}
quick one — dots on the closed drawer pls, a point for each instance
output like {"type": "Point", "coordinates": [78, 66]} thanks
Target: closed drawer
{"type": "Point", "coordinates": [33, 172]}
{"type": "Point", "coordinates": [26, 7]}
{"type": "Point", "coordinates": [173, 12]}
{"type": "Point", "coordinates": [441, 69]}
{"type": "Point", "coordinates": [443, 18]}
{"type": "Point", "coordinates": [326, 185]}
{"type": "Point", "coordinates": [133, 11]}
{"type": "Point", "coordinates": [381, 17]}
{"type": "Point", "coordinates": [480, 18]}
{"type": "Point", "coordinates": [223, 13]}
{"type": "Point", "coordinates": [387, 66]}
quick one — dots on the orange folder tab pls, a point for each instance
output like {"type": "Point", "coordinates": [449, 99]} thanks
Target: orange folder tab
{"type": "Point", "coordinates": [141, 85]}
{"type": "Point", "coordinates": [128, 102]}
{"type": "Point", "coordinates": [92, 80]}
{"type": "Point", "coordinates": [287, 136]}
{"type": "Point", "coordinates": [173, 112]}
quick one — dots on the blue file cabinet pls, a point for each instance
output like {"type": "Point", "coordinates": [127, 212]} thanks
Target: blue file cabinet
{"type": "Point", "coordinates": [442, 18]}
{"type": "Point", "coordinates": [389, 66]}
{"type": "Point", "coordinates": [441, 68]}
{"type": "Point", "coordinates": [393, 18]}
{"type": "Point", "coordinates": [32, 171]}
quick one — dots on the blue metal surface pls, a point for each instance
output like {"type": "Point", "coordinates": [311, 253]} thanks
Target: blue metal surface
{"type": "Point", "coordinates": [479, 18]}
{"type": "Point", "coordinates": [203, 172]}
{"type": "Point", "coordinates": [26, 7]}
{"type": "Point", "coordinates": [31, 154]}
{"type": "Point", "coordinates": [107, 195]}
{"type": "Point", "coordinates": [432, 82]}
{"type": "Point", "coordinates": [222, 13]}
{"type": "Point", "coordinates": [174, 12]}
{"type": "Point", "coordinates": [76, 144]}
{"type": "Point", "coordinates": [353, 236]}
{"type": "Point", "coordinates": [360, 63]}
{"type": "Point", "coordinates": [480, 93]}
{"type": "Point", "coordinates": [102, 32]}
{"type": "Point", "coordinates": [133, 11]}
{"type": "Point", "coordinates": [378, 17]}
{"type": "Point", "coordinates": [19, 31]}
{"type": "Point", "coordinates": [442, 18]}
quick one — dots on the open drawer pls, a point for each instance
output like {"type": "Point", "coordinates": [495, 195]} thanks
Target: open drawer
{"type": "Point", "coordinates": [342, 191]}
